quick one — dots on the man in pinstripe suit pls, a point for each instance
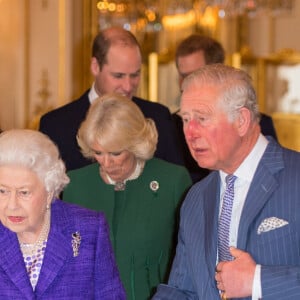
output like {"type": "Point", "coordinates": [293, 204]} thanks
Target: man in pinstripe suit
{"type": "Point", "coordinates": [192, 53]}
{"type": "Point", "coordinates": [221, 126]}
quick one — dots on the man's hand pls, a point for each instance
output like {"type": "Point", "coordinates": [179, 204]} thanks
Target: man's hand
{"type": "Point", "coordinates": [235, 277]}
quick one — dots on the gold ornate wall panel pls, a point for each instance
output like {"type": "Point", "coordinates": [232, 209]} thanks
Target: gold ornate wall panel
{"type": "Point", "coordinates": [88, 31]}
{"type": "Point", "coordinates": [288, 129]}
{"type": "Point", "coordinates": [45, 55]}
{"type": "Point", "coordinates": [61, 50]}
{"type": "Point", "coordinates": [51, 42]}
{"type": "Point", "coordinates": [13, 70]}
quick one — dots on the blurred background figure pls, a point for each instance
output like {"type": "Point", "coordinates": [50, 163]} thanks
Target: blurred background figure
{"type": "Point", "coordinates": [49, 249]}
{"type": "Point", "coordinates": [116, 67]}
{"type": "Point", "coordinates": [191, 54]}
{"type": "Point", "coordinates": [139, 194]}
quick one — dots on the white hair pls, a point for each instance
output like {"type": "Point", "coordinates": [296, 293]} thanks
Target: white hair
{"type": "Point", "coordinates": [35, 151]}
{"type": "Point", "coordinates": [234, 86]}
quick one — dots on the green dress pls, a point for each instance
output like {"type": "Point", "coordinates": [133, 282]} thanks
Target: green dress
{"type": "Point", "coordinates": [142, 219]}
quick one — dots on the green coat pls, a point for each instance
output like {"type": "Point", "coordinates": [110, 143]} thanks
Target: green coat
{"type": "Point", "coordinates": [142, 221]}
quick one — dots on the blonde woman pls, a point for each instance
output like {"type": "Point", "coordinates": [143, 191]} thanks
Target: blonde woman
{"type": "Point", "coordinates": [139, 194]}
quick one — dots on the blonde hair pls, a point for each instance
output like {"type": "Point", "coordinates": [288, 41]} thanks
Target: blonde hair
{"type": "Point", "coordinates": [117, 124]}
{"type": "Point", "coordinates": [35, 151]}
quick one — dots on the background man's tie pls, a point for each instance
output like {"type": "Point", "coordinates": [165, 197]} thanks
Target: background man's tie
{"type": "Point", "coordinates": [224, 220]}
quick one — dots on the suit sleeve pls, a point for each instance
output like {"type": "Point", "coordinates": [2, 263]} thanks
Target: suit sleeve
{"type": "Point", "coordinates": [108, 285]}
{"type": "Point", "coordinates": [179, 285]}
{"type": "Point", "coordinates": [44, 125]}
{"type": "Point", "coordinates": [267, 126]}
{"type": "Point", "coordinates": [184, 182]}
{"type": "Point", "coordinates": [280, 282]}
{"type": "Point", "coordinates": [168, 146]}
{"type": "Point", "coordinates": [51, 124]}
{"type": "Point", "coordinates": [173, 149]}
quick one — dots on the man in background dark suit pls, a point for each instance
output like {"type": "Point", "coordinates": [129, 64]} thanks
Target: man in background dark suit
{"type": "Point", "coordinates": [116, 67]}
{"type": "Point", "coordinates": [193, 53]}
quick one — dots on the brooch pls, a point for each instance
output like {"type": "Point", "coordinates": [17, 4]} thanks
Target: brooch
{"type": "Point", "coordinates": [76, 240]}
{"type": "Point", "coordinates": [154, 185]}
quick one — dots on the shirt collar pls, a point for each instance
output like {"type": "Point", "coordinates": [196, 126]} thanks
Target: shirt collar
{"type": "Point", "coordinates": [93, 94]}
{"type": "Point", "coordinates": [248, 167]}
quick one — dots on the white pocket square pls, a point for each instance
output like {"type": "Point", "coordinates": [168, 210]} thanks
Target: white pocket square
{"type": "Point", "coordinates": [271, 224]}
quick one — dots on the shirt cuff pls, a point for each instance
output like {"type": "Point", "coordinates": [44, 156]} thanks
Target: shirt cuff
{"type": "Point", "coordinates": [256, 287]}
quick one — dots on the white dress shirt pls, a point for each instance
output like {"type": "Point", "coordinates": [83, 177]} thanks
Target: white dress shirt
{"type": "Point", "coordinates": [93, 94]}
{"type": "Point", "coordinates": [244, 174]}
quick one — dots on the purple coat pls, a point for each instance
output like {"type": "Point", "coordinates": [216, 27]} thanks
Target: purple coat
{"type": "Point", "coordinates": [90, 275]}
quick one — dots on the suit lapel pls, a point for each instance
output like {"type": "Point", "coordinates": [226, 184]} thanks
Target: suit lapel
{"type": "Point", "coordinates": [261, 188]}
{"type": "Point", "coordinates": [211, 206]}
{"type": "Point", "coordinates": [58, 250]}
{"type": "Point", "coordinates": [11, 261]}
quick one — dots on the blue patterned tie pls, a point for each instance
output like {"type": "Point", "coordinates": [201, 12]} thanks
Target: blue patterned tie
{"type": "Point", "coordinates": [224, 220]}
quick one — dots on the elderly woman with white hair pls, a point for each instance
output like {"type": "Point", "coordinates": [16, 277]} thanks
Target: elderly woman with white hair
{"type": "Point", "coordinates": [49, 249]}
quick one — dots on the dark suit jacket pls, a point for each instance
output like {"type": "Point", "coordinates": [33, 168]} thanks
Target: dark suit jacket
{"type": "Point", "coordinates": [61, 126]}
{"type": "Point", "coordinates": [197, 173]}
{"type": "Point", "coordinates": [274, 192]}
{"type": "Point", "coordinates": [90, 275]}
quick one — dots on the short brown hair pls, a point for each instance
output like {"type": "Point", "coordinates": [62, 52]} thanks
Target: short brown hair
{"type": "Point", "coordinates": [212, 49]}
{"type": "Point", "coordinates": [106, 38]}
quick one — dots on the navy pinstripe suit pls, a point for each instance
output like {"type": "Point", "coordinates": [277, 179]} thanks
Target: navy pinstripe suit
{"type": "Point", "coordinates": [274, 192]}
